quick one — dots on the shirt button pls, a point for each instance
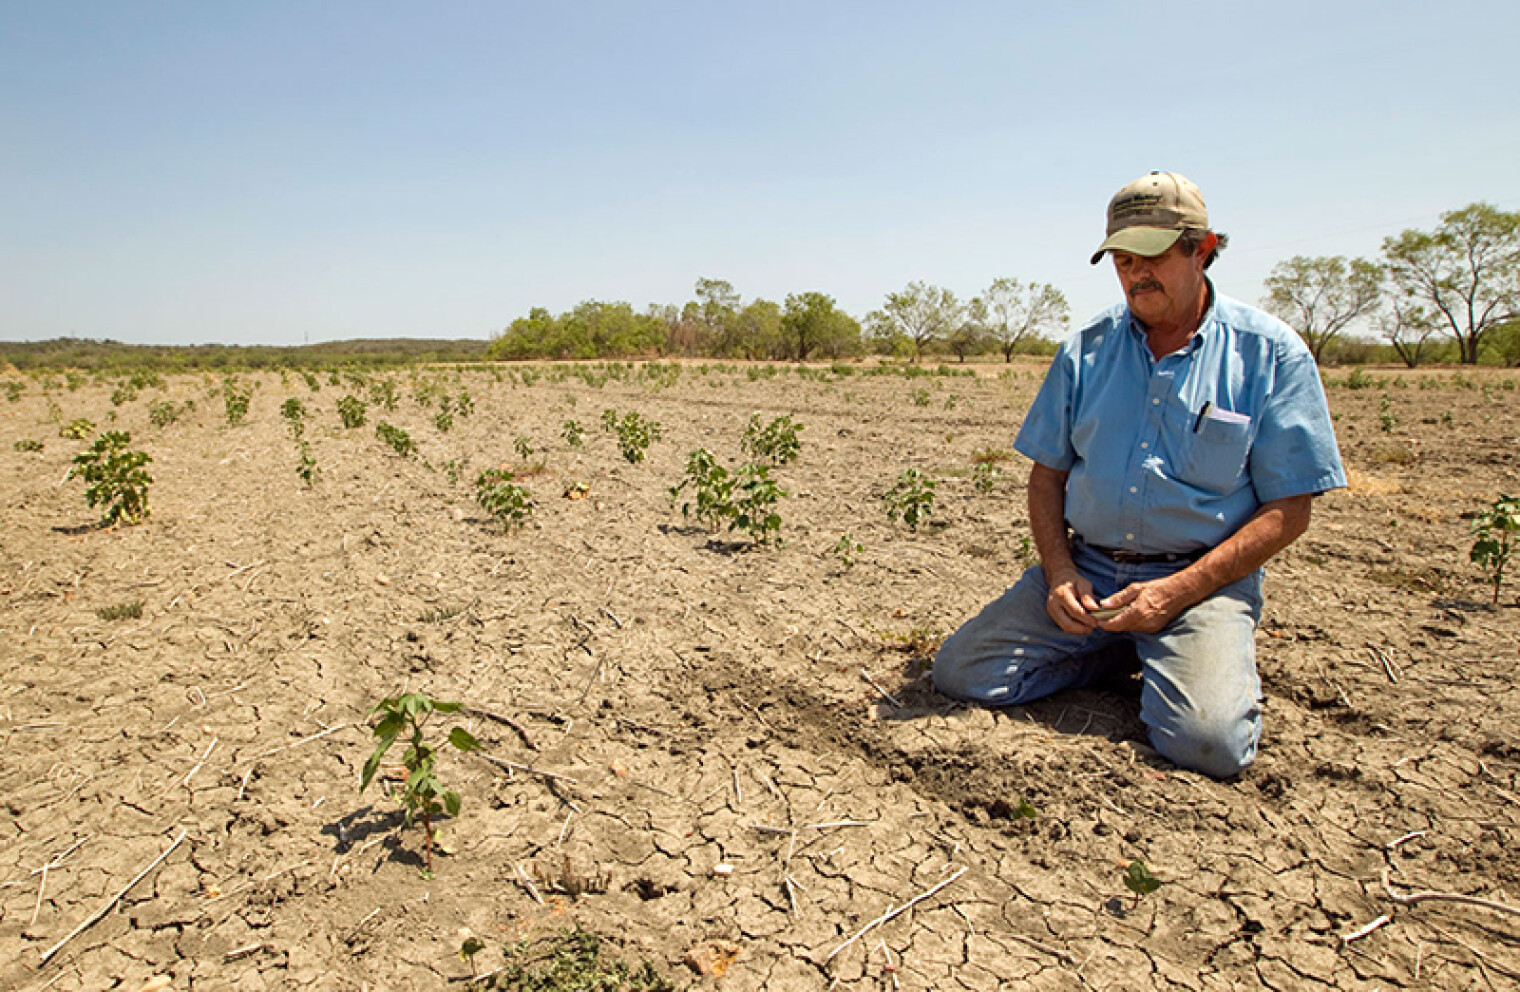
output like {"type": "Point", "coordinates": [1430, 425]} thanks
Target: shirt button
{"type": "Point", "coordinates": [1129, 537]}
{"type": "Point", "coordinates": [1133, 489]}
{"type": "Point", "coordinates": [1145, 444]}
{"type": "Point", "coordinates": [1155, 401]}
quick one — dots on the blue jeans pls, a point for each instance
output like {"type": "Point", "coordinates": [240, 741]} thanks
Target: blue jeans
{"type": "Point", "coordinates": [1201, 697]}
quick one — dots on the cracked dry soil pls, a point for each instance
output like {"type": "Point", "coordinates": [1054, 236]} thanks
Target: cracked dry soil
{"type": "Point", "coordinates": [722, 769]}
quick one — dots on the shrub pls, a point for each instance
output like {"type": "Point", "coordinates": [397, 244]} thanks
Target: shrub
{"type": "Point", "coordinates": [115, 477]}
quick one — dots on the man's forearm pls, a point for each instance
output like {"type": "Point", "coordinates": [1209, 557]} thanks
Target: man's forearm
{"type": "Point", "coordinates": [1273, 527]}
{"type": "Point", "coordinates": [1047, 518]}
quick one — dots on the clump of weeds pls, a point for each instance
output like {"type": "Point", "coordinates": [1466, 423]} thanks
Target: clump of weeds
{"type": "Point", "coordinates": [846, 549]}
{"type": "Point", "coordinates": [28, 444]}
{"type": "Point", "coordinates": [573, 433]}
{"type": "Point", "coordinates": [423, 797]}
{"type": "Point", "coordinates": [121, 611]}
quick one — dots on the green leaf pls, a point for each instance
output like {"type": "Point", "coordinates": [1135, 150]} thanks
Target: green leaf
{"type": "Point", "coordinates": [370, 767]}
{"type": "Point", "coordinates": [463, 739]}
{"type": "Point", "coordinates": [1139, 880]}
{"type": "Point", "coordinates": [471, 947]}
{"type": "Point", "coordinates": [451, 802]}
{"type": "Point", "coordinates": [443, 707]}
{"type": "Point", "coordinates": [390, 727]}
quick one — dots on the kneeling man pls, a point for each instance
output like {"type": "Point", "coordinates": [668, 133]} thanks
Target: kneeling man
{"type": "Point", "coordinates": [1178, 441]}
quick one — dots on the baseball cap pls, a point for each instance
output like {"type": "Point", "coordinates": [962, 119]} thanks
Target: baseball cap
{"type": "Point", "coordinates": [1149, 215]}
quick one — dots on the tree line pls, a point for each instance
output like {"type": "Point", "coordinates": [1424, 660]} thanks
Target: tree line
{"type": "Point", "coordinates": [1007, 317]}
{"type": "Point", "coordinates": [1454, 288]}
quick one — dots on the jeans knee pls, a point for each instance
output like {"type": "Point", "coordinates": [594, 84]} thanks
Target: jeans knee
{"type": "Point", "coordinates": [1216, 748]}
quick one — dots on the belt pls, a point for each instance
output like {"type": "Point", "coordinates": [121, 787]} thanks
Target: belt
{"type": "Point", "coordinates": [1122, 557]}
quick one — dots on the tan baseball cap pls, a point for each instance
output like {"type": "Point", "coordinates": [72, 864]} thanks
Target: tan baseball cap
{"type": "Point", "coordinates": [1149, 215]}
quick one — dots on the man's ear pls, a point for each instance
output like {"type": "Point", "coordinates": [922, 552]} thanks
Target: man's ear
{"type": "Point", "coordinates": [1208, 244]}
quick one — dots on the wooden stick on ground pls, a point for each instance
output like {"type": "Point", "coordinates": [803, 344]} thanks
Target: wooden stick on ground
{"type": "Point", "coordinates": [508, 721]}
{"type": "Point", "coordinates": [891, 913]}
{"type": "Point", "coordinates": [513, 766]}
{"type": "Point", "coordinates": [110, 904]}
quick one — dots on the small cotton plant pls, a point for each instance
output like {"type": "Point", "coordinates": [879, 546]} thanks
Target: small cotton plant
{"type": "Point", "coordinates": [775, 442]}
{"type": "Point", "coordinates": [1497, 529]}
{"type": "Point", "coordinates": [423, 796]}
{"type": "Point", "coordinates": [115, 478]}
{"type": "Point", "coordinates": [911, 499]}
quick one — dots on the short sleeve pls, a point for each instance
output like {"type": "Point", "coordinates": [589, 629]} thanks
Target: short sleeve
{"type": "Point", "coordinates": [1294, 452]}
{"type": "Point", "coordinates": [1045, 436]}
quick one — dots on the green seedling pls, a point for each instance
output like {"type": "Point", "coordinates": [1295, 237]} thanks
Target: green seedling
{"type": "Point", "coordinates": [846, 550]}
{"type": "Point", "coordinates": [236, 397]}
{"type": "Point", "coordinates": [919, 397]}
{"type": "Point", "coordinates": [28, 444]}
{"type": "Point", "coordinates": [306, 466]}
{"type": "Point", "coordinates": [312, 382]}
{"type": "Point", "coordinates": [115, 477]}
{"type": "Point", "coordinates": [353, 411]}
{"type": "Point", "coordinates": [573, 433]}
{"type": "Point", "coordinates": [775, 442]}
{"type": "Point", "coordinates": [1495, 528]}
{"type": "Point", "coordinates": [1139, 880]}
{"type": "Point", "coordinates": [467, 951]}
{"type": "Point", "coordinates": [443, 420]}
{"type": "Point", "coordinates": [162, 413]}
{"type": "Point", "coordinates": [122, 394]}
{"type": "Point", "coordinates": [77, 430]}
{"type": "Point", "coordinates": [984, 476]}
{"type": "Point", "coordinates": [399, 440]}
{"type": "Point", "coordinates": [295, 417]}
{"type": "Point", "coordinates": [754, 505]}
{"type": "Point", "coordinates": [508, 502]}
{"type": "Point", "coordinates": [635, 435]}
{"type": "Point", "coordinates": [465, 404]}
{"type": "Point", "coordinates": [1387, 419]}
{"type": "Point", "coordinates": [711, 487]}
{"type": "Point", "coordinates": [912, 498]}
{"type": "Point", "coordinates": [523, 445]}
{"type": "Point", "coordinates": [609, 420]}
{"type": "Point", "coordinates": [422, 794]}
{"type": "Point", "coordinates": [382, 393]}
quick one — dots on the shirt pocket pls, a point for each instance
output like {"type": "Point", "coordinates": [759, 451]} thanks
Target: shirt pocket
{"type": "Point", "coordinates": [1215, 456]}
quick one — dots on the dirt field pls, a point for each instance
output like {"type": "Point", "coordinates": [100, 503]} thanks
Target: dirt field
{"type": "Point", "coordinates": [700, 757]}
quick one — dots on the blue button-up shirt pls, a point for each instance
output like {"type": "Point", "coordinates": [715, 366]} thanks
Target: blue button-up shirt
{"type": "Point", "coordinates": [1175, 454]}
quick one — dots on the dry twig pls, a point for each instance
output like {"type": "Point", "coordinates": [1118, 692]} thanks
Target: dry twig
{"type": "Point", "coordinates": [893, 913]}
{"type": "Point", "coordinates": [109, 904]}
{"type": "Point", "coordinates": [1414, 898]}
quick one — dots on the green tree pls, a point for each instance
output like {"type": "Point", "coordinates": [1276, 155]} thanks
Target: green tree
{"type": "Point", "coordinates": [1320, 297]}
{"type": "Point", "coordinates": [1010, 312]}
{"type": "Point", "coordinates": [1466, 271]}
{"type": "Point", "coordinates": [1408, 327]}
{"type": "Point", "coordinates": [812, 323]}
{"type": "Point", "coordinates": [920, 315]}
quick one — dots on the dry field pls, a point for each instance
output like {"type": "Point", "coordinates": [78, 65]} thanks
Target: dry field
{"type": "Point", "coordinates": [712, 746]}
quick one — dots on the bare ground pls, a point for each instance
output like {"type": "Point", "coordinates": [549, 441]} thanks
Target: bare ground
{"type": "Point", "coordinates": [702, 757]}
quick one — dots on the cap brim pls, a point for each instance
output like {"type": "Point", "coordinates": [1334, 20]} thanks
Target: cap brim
{"type": "Point", "coordinates": [1147, 241]}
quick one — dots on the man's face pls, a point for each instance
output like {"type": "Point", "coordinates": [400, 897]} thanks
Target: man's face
{"type": "Point", "coordinates": [1165, 288]}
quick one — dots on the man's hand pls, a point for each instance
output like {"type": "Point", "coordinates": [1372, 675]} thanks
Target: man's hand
{"type": "Point", "coordinates": [1070, 599]}
{"type": "Point", "coordinates": [1144, 606]}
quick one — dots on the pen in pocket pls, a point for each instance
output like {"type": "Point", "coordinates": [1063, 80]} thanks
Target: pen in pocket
{"type": "Point", "coordinates": [1203, 411]}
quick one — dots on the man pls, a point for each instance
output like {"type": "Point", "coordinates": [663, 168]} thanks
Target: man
{"type": "Point", "coordinates": [1178, 441]}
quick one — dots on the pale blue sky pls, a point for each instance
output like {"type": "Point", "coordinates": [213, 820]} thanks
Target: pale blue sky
{"type": "Point", "coordinates": [273, 173]}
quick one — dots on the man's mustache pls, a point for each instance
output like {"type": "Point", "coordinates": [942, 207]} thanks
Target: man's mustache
{"type": "Point", "coordinates": [1142, 286]}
